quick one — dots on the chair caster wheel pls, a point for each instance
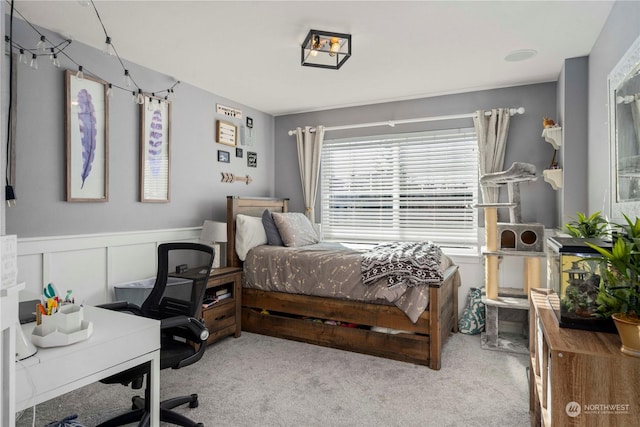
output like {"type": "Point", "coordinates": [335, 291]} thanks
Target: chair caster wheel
{"type": "Point", "coordinates": [200, 425]}
{"type": "Point", "coordinates": [194, 403]}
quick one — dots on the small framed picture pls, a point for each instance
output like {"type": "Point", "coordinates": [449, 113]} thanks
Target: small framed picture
{"type": "Point", "coordinates": [223, 156]}
{"type": "Point", "coordinates": [252, 159]}
{"type": "Point", "coordinates": [226, 133]}
{"type": "Point", "coordinates": [239, 152]}
{"type": "Point", "coordinates": [249, 122]}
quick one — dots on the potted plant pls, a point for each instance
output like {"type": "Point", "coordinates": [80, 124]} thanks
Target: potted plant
{"type": "Point", "coordinates": [592, 226]}
{"type": "Point", "coordinates": [619, 294]}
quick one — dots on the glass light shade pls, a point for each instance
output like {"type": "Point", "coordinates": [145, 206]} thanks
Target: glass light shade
{"type": "Point", "coordinates": [324, 49]}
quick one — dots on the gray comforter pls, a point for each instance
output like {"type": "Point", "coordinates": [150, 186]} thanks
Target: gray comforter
{"type": "Point", "coordinates": [329, 270]}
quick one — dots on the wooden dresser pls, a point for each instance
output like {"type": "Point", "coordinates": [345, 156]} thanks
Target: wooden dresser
{"type": "Point", "coordinates": [578, 378]}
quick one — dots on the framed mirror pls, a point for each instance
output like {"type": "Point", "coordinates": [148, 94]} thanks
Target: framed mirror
{"type": "Point", "coordinates": [624, 128]}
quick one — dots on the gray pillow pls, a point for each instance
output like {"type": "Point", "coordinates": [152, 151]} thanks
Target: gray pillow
{"type": "Point", "coordinates": [273, 235]}
{"type": "Point", "coordinates": [295, 229]}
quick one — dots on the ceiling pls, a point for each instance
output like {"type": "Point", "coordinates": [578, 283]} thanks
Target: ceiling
{"type": "Point", "coordinates": [249, 51]}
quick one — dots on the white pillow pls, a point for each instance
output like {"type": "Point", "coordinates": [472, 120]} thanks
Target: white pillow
{"type": "Point", "coordinates": [249, 234]}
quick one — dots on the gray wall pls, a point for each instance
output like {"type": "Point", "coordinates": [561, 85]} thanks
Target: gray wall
{"type": "Point", "coordinates": [524, 145]}
{"type": "Point", "coordinates": [196, 191]}
{"type": "Point", "coordinates": [573, 98]}
{"type": "Point", "coordinates": [620, 31]}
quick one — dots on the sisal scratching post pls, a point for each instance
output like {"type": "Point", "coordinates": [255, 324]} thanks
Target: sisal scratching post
{"type": "Point", "coordinates": [531, 274]}
{"type": "Point", "coordinates": [491, 276]}
{"type": "Point", "coordinates": [491, 238]}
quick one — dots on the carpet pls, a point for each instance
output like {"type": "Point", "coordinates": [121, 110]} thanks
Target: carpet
{"type": "Point", "coordinates": [256, 380]}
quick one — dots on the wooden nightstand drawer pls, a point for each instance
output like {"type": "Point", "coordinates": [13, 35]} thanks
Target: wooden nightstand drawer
{"type": "Point", "coordinates": [223, 317]}
{"type": "Point", "coordinates": [220, 317]}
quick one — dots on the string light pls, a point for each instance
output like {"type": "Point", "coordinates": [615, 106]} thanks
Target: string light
{"type": "Point", "coordinates": [42, 44]}
{"type": "Point", "coordinates": [108, 47]}
{"type": "Point", "coordinates": [34, 61]}
{"type": "Point", "coordinates": [56, 50]}
{"type": "Point", "coordinates": [127, 78]}
{"type": "Point", "coordinates": [54, 58]}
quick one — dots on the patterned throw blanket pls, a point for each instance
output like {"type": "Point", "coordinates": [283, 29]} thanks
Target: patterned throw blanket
{"type": "Point", "coordinates": [411, 263]}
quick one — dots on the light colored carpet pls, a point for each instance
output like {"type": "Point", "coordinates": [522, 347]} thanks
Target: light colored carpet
{"type": "Point", "coordinates": [257, 380]}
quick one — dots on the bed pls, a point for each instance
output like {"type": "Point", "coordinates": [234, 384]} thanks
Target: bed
{"type": "Point", "coordinates": [378, 323]}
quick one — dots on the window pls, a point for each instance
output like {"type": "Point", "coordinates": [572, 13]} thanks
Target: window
{"type": "Point", "coordinates": [407, 187]}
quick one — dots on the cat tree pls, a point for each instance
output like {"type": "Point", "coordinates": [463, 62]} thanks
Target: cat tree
{"type": "Point", "coordinates": [509, 239]}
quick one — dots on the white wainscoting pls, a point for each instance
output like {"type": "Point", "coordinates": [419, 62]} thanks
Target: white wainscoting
{"type": "Point", "coordinates": [91, 264]}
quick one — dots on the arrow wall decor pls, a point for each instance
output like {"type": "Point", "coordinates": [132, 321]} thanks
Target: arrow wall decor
{"type": "Point", "coordinates": [231, 178]}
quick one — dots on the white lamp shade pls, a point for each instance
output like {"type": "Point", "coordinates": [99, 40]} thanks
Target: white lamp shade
{"type": "Point", "coordinates": [213, 231]}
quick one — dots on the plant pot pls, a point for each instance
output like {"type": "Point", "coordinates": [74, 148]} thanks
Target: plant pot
{"type": "Point", "coordinates": [629, 331]}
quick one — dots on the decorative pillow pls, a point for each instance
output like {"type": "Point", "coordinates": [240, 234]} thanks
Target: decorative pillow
{"type": "Point", "coordinates": [273, 235]}
{"type": "Point", "coordinates": [295, 229]}
{"type": "Point", "coordinates": [249, 234]}
{"type": "Point", "coordinates": [472, 320]}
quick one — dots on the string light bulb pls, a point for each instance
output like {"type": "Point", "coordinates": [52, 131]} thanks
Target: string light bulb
{"type": "Point", "coordinates": [42, 44]}
{"type": "Point", "coordinates": [108, 47]}
{"type": "Point", "coordinates": [127, 78]}
{"type": "Point", "coordinates": [110, 91]}
{"type": "Point", "coordinates": [34, 61]}
{"type": "Point", "coordinates": [80, 73]}
{"type": "Point", "coordinates": [140, 97]}
{"type": "Point", "coordinates": [54, 58]}
{"type": "Point", "coordinates": [22, 58]}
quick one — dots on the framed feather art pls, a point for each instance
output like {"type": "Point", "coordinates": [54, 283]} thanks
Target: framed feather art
{"type": "Point", "coordinates": [155, 150]}
{"type": "Point", "coordinates": [87, 138]}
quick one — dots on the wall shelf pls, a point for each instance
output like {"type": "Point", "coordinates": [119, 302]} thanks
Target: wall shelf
{"type": "Point", "coordinates": [553, 136]}
{"type": "Point", "coordinates": [553, 177]}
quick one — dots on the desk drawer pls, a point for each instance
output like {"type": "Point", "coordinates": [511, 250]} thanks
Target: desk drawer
{"type": "Point", "coordinates": [217, 318]}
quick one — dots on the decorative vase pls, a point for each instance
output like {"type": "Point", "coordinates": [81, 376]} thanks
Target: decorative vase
{"type": "Point", "coordinates": [629, 331]}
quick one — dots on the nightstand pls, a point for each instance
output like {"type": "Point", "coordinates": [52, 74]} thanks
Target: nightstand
{"type": "Point", "coordinates": [223, 317]}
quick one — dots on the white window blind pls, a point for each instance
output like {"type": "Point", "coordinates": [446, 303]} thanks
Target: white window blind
{"type": "Point", "coordinates": [406, 187]}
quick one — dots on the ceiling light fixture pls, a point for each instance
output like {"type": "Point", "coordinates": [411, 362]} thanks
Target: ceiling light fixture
{"type": "Point", "coordinates": [324, 49]}
{"type": "Point", "coordinates": [520, 55]}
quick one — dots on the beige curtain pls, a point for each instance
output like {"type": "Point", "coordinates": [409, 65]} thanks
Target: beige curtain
{"type": "Point", "coordinates": [309, 151]}
{"type": "Point", "coordinates": [492, 131]}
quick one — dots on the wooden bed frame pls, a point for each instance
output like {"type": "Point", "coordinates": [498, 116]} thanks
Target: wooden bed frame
{"type": "Point", "coordinates": [423, 347]}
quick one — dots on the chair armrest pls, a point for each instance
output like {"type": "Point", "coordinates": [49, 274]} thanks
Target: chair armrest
{"type": "Point", "coordinates": [193, 325]}
{"type": "Point", "coordinates": [122, 306]}
{"type": "Point", "coordinates": [190, 329]}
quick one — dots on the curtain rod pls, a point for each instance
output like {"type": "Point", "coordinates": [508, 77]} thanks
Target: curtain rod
{"type": "Point", "coordinates": [392, 123]}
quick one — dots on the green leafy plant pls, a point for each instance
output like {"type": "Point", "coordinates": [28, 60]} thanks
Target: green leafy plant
{"type": "Point", "coordinates": [619, 290]}
{"type": "Point", "coordinates": [594, 225]}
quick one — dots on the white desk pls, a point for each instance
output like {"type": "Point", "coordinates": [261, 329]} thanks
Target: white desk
{"type": "Point", "coordinates": [120, 341]}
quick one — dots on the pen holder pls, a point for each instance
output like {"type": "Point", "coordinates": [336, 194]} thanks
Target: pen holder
{"type": "Point", "coordinates": [67, 320]}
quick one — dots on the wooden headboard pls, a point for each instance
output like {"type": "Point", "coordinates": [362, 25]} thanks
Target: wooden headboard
{"type": "Point", "coordinates": [252, 206]}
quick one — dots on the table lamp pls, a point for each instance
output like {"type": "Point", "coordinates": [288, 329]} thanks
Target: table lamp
{"type": "Point", "coordinates": [214, 232]}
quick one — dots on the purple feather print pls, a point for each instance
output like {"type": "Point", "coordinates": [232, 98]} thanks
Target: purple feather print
{"type": "Point", "coordinates": [87, 119]}
{"type": "Point", "coordinates": [154, 149]}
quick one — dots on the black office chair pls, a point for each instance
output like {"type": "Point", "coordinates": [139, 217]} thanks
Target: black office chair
{"type": "Point", "coordinates": [183, 336]}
